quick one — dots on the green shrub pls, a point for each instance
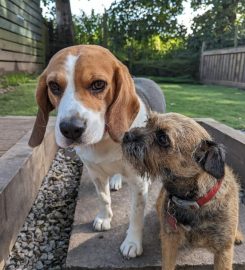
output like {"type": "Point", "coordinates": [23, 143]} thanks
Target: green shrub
{"type": "Point", "coordinates": [175, 65]}
{"type": "Point", "coordinates": [179, 79]}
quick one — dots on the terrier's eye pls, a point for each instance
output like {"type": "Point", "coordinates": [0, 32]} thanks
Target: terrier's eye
{"type": "Point", "coordinates": [55, 88]}
{"type": "Point", "coordinates": [162, 138]}
{"type": "Point", "coordinates": [98, 86]}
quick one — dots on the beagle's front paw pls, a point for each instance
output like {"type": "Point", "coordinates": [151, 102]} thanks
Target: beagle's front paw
{"type": "Point", "coordinates": [102, 224]}
{"type": "Point", "coordinates": [131, 247]}
{"type": "Point", "coordinates": [116, 182]}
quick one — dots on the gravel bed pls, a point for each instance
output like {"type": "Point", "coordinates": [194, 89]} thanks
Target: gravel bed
{"type": "Point", "coordinates": [44, 238]}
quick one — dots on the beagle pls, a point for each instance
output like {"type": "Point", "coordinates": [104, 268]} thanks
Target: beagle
{"type": "Point", "coordinates": [97, 101]}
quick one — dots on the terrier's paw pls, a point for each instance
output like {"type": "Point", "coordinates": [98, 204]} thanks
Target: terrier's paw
{"type": "Point", "coordinates": [116, 182]}
{"type": "Point", "coordinates": [239, 238]}
{"type": "Point", "coordinates": [131, 248]}
{"type": "Point", "coordinates": [102, 224]}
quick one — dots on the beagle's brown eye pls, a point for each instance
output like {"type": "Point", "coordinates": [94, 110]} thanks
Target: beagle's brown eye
{"type": "Point", "coordinates": [98, 86]}
{"type": "Point", "coordinates": [55, 88]}
{"type": "Point", "coordinates": [162, 138]}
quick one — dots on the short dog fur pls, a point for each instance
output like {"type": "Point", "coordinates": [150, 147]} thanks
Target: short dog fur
{"type": "Point", "coordinates": [97, 101]}
{"type": "Point", "coordinates": [182, 154]}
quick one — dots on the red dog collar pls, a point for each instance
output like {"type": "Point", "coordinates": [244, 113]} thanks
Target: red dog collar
{"type": "Point", "coordinates": [199, 202]}
{"type": "Point", "coordinates": [209, 196]}
{"type": "Point", "coordinates": [170, 217]}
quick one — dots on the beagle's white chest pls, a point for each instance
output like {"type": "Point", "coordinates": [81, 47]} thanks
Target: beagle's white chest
{"type": "Point", "coordinates": [106, 156]}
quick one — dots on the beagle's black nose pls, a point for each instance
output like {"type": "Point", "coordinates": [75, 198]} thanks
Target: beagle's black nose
{"type": "Point", "coordinates": [72, 129]}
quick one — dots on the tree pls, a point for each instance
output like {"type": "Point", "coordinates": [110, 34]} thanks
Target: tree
{"type": "Point", "coordinates": [133, 24]}
{"type": "Point", "coordinates": [88, 28]}
{"type": "Point", "coordinates": [136, 31]}
{"type": "Point", "coordinates": [217, 25]}
{"type": "Point", "coordinates": [61, 11]}
{"type": "Point", "coordinates": [64, 23]}
{"type": "Point", "coordinates": [141, 19]}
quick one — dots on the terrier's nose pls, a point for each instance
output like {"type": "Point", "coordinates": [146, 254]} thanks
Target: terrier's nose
{"type": "Point", "coordinates": [72, 129]}
{"type": "Point", "coordinates": [128, 137]}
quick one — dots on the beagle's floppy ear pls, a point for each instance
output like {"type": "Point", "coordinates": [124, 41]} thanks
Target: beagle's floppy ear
{"type": "Point", "coordinates": [211, 157]}
{"type": "Point", "coordinates": [44, 108]}
{"type": "Point", "coordinates": [125, 104]}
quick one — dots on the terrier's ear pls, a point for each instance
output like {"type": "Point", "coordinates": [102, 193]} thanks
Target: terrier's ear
{"type": "Point", "coordinates": [210, 156]}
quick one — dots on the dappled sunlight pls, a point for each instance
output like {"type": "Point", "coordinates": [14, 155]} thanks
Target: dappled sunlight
{"type": "Point", "coordinates": [228, 102]}
{"type": "Point", "coordinates": [170, 86]}
{"type": "Point", "coordinates": [195, 98]}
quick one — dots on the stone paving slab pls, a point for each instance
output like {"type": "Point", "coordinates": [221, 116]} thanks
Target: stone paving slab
{"type": "Point", "coordinates": [100, 250]}
{"type": "Point", "coordinates": [12, 129]}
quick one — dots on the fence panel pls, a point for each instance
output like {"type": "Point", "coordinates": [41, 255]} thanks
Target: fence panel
{"type": "Point", "coordinates": [22, 36]}
{"type": "Point", "coordinates": [224, 67]}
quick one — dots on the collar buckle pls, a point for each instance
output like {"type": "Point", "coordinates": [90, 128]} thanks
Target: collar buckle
{"type": "Point", "coordinates": [185, 204]}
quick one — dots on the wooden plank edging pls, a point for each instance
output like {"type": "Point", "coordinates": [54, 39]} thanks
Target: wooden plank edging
{"type": "Point", "coordinates": [22, 171]}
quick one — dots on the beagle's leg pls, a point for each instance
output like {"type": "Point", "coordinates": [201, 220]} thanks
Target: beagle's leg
{"type": "Point", "coordinates": [116, 182]}
{"type": "Point", "coordinates": [132, 245]}
{"type": "Point", "coordinates": [102, 221]}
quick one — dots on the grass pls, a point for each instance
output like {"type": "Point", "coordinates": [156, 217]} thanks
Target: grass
{"type": "Point", "coordinates": [224, 104]}
{"type": "Point", "coordinates": [15, 79]}
{"type": "Point", "coordinates": [19, 102]}
{"type": "Point", "coordinates": [180, 79]}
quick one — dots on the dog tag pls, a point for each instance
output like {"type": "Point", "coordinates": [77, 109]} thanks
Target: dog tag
{"type": "Point", "coordinates": [172, 221]}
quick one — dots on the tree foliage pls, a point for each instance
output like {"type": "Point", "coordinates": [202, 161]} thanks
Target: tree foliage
{"type": "Point", "coordinates": [88, 29]}
{"type": "Point", "coordinates": [50, 14]}
{"type": "Point", "coordinates": [142, 19]}
{"type": "Point", "coordinates": [134, 29]}
{"type": "Point", "coordinates": [217, 26]}
{"type": "Point", "coordinates": [147, 36]}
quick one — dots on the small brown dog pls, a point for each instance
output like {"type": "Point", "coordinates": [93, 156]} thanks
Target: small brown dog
{"type": "Point", "coordinates": [198, 204]}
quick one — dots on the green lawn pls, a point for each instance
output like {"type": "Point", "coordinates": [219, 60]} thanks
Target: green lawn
{"type": "Point", "coordinates": [224, 104]}
{"type": "Point", "coordinates": [15, 79]}
{"type": "Point", "coordinates": [19, 102]}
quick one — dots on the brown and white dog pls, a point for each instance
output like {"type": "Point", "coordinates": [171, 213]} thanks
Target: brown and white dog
{"type": "Point", "coordinates": [96, 104]}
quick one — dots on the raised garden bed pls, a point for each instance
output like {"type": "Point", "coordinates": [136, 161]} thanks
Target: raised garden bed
{"type": "Point", "coordinates": [43, 240]}
{"type": "Point", "coordinates": [21, 173]}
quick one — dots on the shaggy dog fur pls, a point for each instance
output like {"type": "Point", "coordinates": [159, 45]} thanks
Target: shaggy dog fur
{"type": "Point", "coordinates": [182, 154]}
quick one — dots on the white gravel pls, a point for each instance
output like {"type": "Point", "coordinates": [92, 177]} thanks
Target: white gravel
{"type": "Point", "coordinates": [44, 238]}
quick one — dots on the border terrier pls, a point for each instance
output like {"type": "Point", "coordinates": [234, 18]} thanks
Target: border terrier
{"type": "Point", "coordinates": [199, 201]}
